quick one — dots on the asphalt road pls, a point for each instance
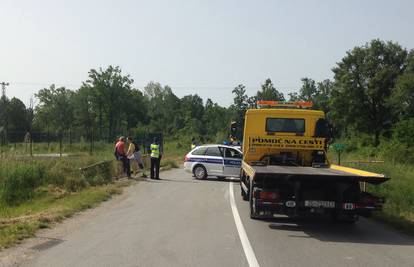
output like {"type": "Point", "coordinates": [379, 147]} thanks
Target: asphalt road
{"type": "Point", "coordinates": [180, 221]}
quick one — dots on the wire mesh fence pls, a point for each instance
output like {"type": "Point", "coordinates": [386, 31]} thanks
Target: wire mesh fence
{"type": "Point", "coordinates": [69, 142]}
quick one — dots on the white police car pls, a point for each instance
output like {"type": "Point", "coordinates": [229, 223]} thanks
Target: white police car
{"type": "Point", "coordinates": [214, 160]}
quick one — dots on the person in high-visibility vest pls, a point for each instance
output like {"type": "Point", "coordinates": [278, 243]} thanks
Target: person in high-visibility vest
{"type": "Point", "coordinates": [193, 143]}
{"type": "Point", "coordinates": [155, 159]}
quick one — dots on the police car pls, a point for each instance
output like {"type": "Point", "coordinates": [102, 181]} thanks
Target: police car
{"type": "Point", "coordinates": [213, 160]}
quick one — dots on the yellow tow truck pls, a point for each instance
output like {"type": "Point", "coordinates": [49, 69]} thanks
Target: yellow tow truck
{"type": "Point", "coordinates": [285, 168]}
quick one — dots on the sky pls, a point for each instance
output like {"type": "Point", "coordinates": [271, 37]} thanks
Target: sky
{"type": "Point", "coordinates": [196, 47]}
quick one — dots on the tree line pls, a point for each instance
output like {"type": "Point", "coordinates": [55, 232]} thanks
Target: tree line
{"type": "Point", "coordinates": [371, 94]}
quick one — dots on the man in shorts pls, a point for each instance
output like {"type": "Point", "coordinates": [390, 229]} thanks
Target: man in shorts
{"type": "Point", "coordinates": [134, 154]}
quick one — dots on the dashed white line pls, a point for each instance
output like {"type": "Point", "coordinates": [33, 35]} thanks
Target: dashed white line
{"type": "Point", "coordinates": [248, 250]}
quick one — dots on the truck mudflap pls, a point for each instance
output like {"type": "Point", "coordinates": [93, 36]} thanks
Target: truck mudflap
{"type": "Point", "coordinates": [332, 173]}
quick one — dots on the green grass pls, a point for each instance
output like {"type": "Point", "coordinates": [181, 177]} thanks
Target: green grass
{"type": "Point", "coordinates": [38, 192]}
{"type": "Point", "coordinates": [398, 209]}
{"type": "Point", "coordinates": [17, 223]}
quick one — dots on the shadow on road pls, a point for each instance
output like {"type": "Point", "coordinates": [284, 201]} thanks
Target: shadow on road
{"type": "Point", "coordinates": [227, 180]}
{"type": "Point", "coordinates": [179, 180]}
{"type": "Point", "coordinates": [323, 229]}
{"type": "Point", "coordinates": [193, 180]}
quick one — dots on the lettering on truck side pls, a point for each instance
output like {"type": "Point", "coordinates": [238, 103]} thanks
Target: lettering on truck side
{"type": "Point", "coordinates": [285, 142]}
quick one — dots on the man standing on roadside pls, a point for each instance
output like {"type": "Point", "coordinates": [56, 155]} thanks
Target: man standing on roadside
{"type": "Point", "coordinates": [155, 159]}
{"type": "Point", "coordinates": [120, 153]}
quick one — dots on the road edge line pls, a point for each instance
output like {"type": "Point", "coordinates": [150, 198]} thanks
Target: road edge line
{"type": "Point", "coordinates": [247, 247]}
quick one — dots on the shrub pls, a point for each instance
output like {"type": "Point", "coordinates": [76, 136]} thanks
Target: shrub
{"type": "Point", "coordinates": [99, 173]}
{"type": "Point", "coordinates": [403, 132]}
{"type": "Point", "coordinates": [75, 183]}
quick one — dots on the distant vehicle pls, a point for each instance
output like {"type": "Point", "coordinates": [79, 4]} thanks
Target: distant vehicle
{"type": "Point", "coordinates": [214, 160]}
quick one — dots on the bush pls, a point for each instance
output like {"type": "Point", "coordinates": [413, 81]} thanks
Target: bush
{"type": "Point", "coordinates": [99, 173]}
{"type": "Point", "coordinates": [75, 183]}
{"type": "Point", "coordinates": [403, 132]}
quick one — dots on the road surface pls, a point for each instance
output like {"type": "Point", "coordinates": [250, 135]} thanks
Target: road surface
{"type": "Point", "coordinates": [179, 221]}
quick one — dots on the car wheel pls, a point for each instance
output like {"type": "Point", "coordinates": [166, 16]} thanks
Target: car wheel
{"type": "Point", "coordinates": [200, 172]}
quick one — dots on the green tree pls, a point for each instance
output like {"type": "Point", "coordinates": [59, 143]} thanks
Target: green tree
{"type": "Point", "coordinates": [215, 121]}
{"type": "Point", "coordinates": [192, 112]}
{"type": "Point", "coordinates": [318, 93]}
{"type": "Point", "coordinates": [57, 105]}
{"type": "Point", "coordinates": [110, 90]}
{"type": "Point", "coordinates": [402, 99]}
{"type": "Point", "coordinates": [4, 101]}
{"type": "Point", "coordinates": [269, 92]}
{"type": "Point", "coordinates": [239, 107]}
{"type": "Point", "coordinates": [403, 132]}
{"type": "Point", "coordinates": [17, 118]}
{"type": "Point", "coordinates": [364, 80]}
{"type": "Point", "coordinates": [84, 113]}
{"type": "Point", "coordinates": [163, 109]}
{"type": "Point", "coordinates": [136, 109]}
{"type": "Point", "coordinates": [308, 91]}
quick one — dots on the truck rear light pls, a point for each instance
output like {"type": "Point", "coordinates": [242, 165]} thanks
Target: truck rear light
{"type": "Point", "coordinates": [269, 195]}
{"type": "Point", "coordinates": [369, 200]}
{"type": "Point", "coordinates": [349, 206]}
{"type": "Point", "coordinates": [290, 204]}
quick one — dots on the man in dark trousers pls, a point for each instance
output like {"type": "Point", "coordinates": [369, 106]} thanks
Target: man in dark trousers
{"type": "Point", "coordinates": [155, 159]}
{"type": "Point", "coordinates": [120, 153]}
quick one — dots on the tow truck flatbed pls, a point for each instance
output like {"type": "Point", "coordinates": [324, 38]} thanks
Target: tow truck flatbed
{"type": "Point", "coordinates": [334, 172]}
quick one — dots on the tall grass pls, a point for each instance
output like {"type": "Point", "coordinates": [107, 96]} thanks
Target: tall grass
{"type": "Point", "coordinates": [20, 177]}
{"type": "Point", "coordinates": [398, 191]}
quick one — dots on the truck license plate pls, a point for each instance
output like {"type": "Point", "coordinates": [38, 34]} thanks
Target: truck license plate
{"type": "Point", "coordinates": [319, 204]}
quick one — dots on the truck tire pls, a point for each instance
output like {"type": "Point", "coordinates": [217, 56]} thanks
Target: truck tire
{"type": "Point", "coordinates": [200, 172]}
{"type": "Point", "coordinates": [254, 214]}
{"type": "Point", "coordinates": [245, 195]}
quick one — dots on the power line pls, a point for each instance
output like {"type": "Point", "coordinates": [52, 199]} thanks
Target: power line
{"type": "Point", "coordinates": [194, 86]}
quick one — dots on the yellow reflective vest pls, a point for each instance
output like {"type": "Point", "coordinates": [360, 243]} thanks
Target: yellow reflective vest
{"type": "Point", "coordinates": [155, 151]}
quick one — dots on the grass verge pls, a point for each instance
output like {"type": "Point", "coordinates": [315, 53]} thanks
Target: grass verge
{"type": "Point", "coordinates": [48, 207]}
{"type": "Point", "coordinates": [398, 210]}
{"type": "Point", "coordinates": [35, 192]}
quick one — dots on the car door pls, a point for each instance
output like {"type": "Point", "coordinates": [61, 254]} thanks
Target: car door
{"type": "Point", "coordinates": [232, 162]}
{"type": "Point", "coordinates": [214, 161]}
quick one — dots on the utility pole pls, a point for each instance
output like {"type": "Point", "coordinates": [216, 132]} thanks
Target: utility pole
{"type": "Point", "coordinates": [3, 116]}
{"type": "Point", "coordinates": [3, 89]}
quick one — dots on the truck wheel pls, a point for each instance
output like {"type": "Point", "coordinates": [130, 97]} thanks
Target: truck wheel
{"type": "Point", "coordinates": [200, 172]}
{"type": "Point", "coordinates": [253, 208]}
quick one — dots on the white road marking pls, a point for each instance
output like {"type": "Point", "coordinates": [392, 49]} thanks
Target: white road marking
{"type": "Point", "coordinates": [248, 250]}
